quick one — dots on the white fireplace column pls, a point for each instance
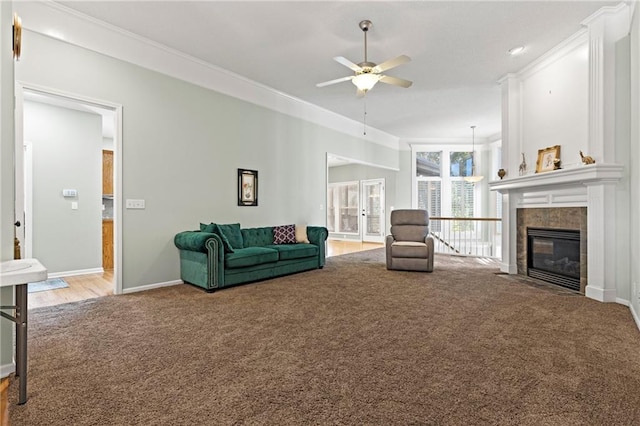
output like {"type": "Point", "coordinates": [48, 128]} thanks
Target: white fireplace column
{"type": "Point", "coordinates": [601, 247]}
{"type": "Point", "coordinates": [605, 27]}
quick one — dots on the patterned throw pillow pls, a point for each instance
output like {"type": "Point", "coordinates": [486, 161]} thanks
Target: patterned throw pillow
{"type": "Point", "coordinates": [284, 234]}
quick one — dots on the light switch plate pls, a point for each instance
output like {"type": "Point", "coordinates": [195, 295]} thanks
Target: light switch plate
{"type": "Point", "coordinates": [134, 204]}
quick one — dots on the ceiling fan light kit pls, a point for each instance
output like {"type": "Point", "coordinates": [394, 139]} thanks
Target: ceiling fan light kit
{"type": "Point", "coordinates": [367, 74]}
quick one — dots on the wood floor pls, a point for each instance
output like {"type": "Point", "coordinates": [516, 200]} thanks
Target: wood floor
{"type": "Point", "coordinates": [337, 247]}
{"type": "Point", "coordinates": [83, 287]}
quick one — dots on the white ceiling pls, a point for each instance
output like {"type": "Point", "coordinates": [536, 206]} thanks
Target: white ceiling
{"type": "Point", "coordinates": [458, 50]}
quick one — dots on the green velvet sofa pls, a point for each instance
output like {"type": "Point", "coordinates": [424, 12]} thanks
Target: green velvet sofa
{"type": "Point", "coordinates": [208, 260]}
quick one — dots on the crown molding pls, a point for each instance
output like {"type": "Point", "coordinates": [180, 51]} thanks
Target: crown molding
{"type": "Point", "coordinates": [577, 40]}
{"type": "Point", "coordinates": [606, 11]}
{"type": "Point", "coordinates": [60, 22]}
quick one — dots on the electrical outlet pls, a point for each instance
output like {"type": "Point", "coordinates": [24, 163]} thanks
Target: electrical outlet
{"type": "Point", "coordinates": [134, 204]}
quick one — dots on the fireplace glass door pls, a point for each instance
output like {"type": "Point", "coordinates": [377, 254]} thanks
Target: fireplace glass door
{"type": "Point", "coordinates": [554, 255]}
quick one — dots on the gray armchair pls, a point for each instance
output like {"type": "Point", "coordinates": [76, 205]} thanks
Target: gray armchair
{"type": "Point", "coordinates": [409, 247]}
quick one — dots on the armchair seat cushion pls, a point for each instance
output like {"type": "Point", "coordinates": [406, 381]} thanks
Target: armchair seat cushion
{"type": "Point", "coordinates": [250, 256]}
{"type": "Point", "coordinates": [409, 249]}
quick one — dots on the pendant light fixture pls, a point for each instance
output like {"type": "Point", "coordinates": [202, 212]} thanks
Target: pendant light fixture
{"type": "Point", "coordinates": [473, 178]}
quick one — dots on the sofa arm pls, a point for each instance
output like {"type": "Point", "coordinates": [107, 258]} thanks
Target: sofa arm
{"type": "Point", "coordinates": [194, 240]}
{"type": "Point", "coordinates": [387, 248]}
{"type": "Point", "coordinates": [318, 235]}
{"type": "Point", "coordinates": [201, 259]}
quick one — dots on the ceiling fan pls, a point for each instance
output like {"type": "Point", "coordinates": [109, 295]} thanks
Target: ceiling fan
{"type": "Point", "coordinates": [367, 74]}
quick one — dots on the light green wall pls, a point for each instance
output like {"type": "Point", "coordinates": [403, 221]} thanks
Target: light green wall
{"type": "Point", "coordinates": [182, 146]}
{"type": "Point", "coordinates": [66, 148]}
{"type": "Point", "coordinates": [634, 177]}
{"type": "Point", "coordinates": [6, 175]}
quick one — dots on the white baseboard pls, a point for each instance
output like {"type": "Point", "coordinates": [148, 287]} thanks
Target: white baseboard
{"type": "Point", "coordinates": [151, 286]}
{"type": "Point", "coordinates": [624, 302]}
{"type": "Point", "coordinates": [7, 369]}
{"type": "Point", "coordinates": [635, 316]}
{"type": "Point", "coordinates": [77, 272]}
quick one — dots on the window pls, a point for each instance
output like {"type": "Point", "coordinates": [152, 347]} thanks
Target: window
{"type": "Point", "coordinates": [440, 187]}
{"type": "Point", "coordinates": [460, 164]}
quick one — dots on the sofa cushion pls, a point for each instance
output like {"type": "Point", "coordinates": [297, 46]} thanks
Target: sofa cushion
{"type": "Point", "coordinates": [285, 234]}
{"type": "Point", "coordinates": [257, 237]}
{"type": "Point", "coordinates": [250, 256]}
{"type": "Point", "coordinates": [295, 251]}
{"type": "Point", "coordinates": [301, 234]}
{"type": "Point", "coordinates": [233, 234]}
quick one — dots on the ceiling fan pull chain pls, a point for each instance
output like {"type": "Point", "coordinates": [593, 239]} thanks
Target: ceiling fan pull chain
{"type": "Point", "coordinates": [364, 118]}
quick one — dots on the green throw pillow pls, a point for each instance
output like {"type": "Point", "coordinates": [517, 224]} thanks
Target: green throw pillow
{"type": "Point", "coordinates": [233, 234]}
{"type": "Point", "coordinates": [212, 228]}
{"type": "Point", "coordinates": [225, 241]}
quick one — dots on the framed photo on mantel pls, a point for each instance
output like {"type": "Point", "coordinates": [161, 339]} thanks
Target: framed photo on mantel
{"type": "Point", "coordinates": [548, 159]}
{"type": "Point", "coordinates": [247, 187]}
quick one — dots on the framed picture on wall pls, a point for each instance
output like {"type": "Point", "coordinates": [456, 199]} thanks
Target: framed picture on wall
{"type": "Point", "coordinates": [548, 159]}
{"type": "Point", "coordinates": [247, 187]}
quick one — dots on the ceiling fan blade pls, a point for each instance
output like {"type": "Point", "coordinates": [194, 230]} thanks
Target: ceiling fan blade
{"type": "Point", "coordinates": [347, 63]}
{"type": "Point", "coordinates": [396, 81]}
{"type": "Point", "coordinates": [337, 80]}
{"type": "Point", "coordinates": [391, 63]}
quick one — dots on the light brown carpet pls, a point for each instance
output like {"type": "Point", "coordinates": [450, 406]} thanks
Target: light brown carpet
{"type": "Point", "coordinates": [350, 344]}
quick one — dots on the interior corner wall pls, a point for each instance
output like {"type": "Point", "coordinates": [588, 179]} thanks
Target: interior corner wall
{"type": "Point", "coordinates": [6, 176]}
{"type": "Point", "coordinates": [404, 190]}
{"type": "Point", "coordinates": [66, 147]}
{"type": "Point", "coordinates": [634, 159]}
{"type": "Point", "coordinates": [623, 153]}
{"type": "Point", "coordinates": [555, 107]}
{"type": "Point", "coordinates": [181, 147]}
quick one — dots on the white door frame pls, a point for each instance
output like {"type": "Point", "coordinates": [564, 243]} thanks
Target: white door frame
{"type": "Point", "coordinates": [117, 152]}
{"type": "Point", "coordinates": [28, 199]}
{"type": "Point", "coordinates": [365, 217]}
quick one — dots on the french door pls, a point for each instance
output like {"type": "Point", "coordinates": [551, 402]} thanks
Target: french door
{"type": "Point", "coordinates": [373, 212]}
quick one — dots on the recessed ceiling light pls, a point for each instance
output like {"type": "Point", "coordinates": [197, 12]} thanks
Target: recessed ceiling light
{"type": "Point", "coordinates": [516, 50]}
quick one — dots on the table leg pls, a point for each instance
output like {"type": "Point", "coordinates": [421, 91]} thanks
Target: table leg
{"type": "Point", "coordinates": [21, 341]}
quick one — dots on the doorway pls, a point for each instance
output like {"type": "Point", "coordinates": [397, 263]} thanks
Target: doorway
{"type": "Point", "coordinates": [373, 210]}
{"type": "Point", "coordinates": [109, 118]}
{"type": "Point", "coordinates": [357, 199]}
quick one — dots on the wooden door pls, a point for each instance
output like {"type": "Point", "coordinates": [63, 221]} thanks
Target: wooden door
{"type": "Point", "coordinates": [107, 244]}
{"type": "Point", "coordinates": [107, 172]}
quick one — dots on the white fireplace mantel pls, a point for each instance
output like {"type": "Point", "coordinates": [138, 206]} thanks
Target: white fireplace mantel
{"type": "Point", "coordinates": [593, 186]}
{"type": "Point", "coordinates": [585, 175]}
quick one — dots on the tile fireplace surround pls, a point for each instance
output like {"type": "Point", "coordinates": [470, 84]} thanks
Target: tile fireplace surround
{"type": "Point", "coordinates": [573, 218]}
{"type": "Point", "coordinates": [582, 198]}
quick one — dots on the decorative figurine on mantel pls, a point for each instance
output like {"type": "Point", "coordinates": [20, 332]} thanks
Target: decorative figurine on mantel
{"type": "Point", "coordinates": [501, 173]}
{"type": "Point", "coordinates": [556, 164]}
{"type": "Point", "coordinates": [523, 166]}
{"type": "Point", "coordinates": [586, 159]}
